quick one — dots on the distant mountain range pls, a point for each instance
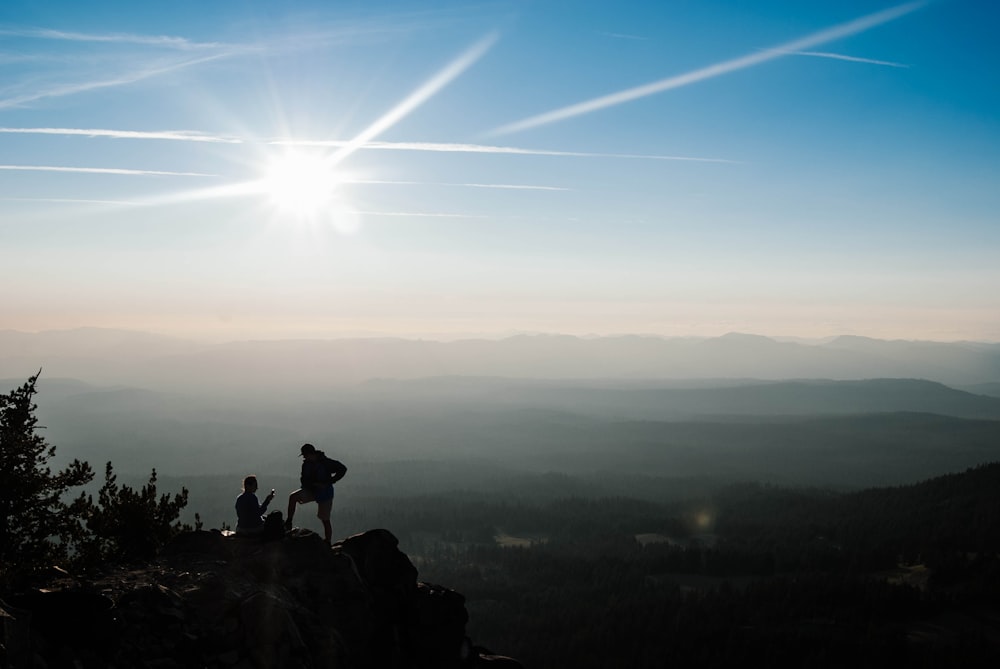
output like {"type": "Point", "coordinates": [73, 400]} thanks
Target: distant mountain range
{"type": "Point", "coordinates": [845, 412]}
{"type": "Point", "coordinates": [145, 360]}
{"type": "Point", "coordinates": [718, 400]}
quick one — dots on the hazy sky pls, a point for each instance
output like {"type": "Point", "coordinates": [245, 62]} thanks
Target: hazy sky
{"type": "Point", "coordinates": [250, 169]}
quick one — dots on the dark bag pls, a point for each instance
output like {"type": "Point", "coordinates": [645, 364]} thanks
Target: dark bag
{"type": "Point", "coordinates": [274, 528]}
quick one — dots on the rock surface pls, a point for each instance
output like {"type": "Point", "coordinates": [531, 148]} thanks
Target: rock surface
{"type": "Point", "coordinates": [221, 602]}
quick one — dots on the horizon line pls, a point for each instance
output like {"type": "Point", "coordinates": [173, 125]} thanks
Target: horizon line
{"type": "Point", "coordinates": [459, 336]}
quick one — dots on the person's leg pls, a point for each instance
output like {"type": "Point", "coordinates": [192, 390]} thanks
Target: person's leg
{"type": "Point", "coordinates": [251, 533]}
{"type": "Point", "coordinates": [293, 499]}
{"type": "Point", "coordinates": [297, 497]}
{"type": "Point", "coordinates": [323, 513]}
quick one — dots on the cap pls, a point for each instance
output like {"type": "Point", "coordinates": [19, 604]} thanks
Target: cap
{"type": "Point", "coordinates": [308, 448]}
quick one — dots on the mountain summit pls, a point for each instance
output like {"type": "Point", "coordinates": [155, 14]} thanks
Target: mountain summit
{"type": "Point", "coordinates": [215, 601]}
{"type": "Point", "coordinates": [119, 358]}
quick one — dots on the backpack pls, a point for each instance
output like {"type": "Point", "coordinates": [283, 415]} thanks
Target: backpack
{"type": "Point", "coordinates": [274, 527]}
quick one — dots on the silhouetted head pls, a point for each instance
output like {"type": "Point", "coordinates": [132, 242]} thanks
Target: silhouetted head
{"type": "Point", "coordinates": [308, 450]}
{"type": "Point", "coordinates": [250, 484]}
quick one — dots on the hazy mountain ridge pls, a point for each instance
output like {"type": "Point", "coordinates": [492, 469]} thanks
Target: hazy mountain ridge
{"type": "Point", "coordinates": [989, 389]}
{"type": "Point", "coordinates": [140, 359]}
{"type": "Point", "coordinates": [721, 399]}
{"type": "Point", "coordinates": [212, 408]}
{"type": "Point", "coordinates": [636, 400]}
{"type": "Point", "coordinates": [843, 450]}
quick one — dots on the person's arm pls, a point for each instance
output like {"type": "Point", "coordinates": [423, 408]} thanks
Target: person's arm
{"type": "Point", "coordinates": [267, 500]}
{"type": "Point", "coordinates": [339, 470]}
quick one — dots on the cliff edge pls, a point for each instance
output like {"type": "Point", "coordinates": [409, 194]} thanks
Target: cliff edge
{"type": "Point", "coordinates": [216, 601]}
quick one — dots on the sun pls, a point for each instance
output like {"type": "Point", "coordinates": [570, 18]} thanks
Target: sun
{"type": "Point", "coordinates": [300, 183]}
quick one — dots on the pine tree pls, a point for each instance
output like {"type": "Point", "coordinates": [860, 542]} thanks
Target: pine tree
{"type": "Point", "coordinates": [37, 525]}
{"type": "Point", "coordinates": [128, 524]}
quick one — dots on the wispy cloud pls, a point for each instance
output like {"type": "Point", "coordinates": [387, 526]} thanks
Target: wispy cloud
{"type": "Point", "coordinates": [8, 58]}
{"type": "Point", "coordinates": [312, 36]}
{"type": "Point", "coordinates": [433, 147]}
{"type": "Point", "coordinates": [174, 135]}
{"type": "Point", "coordinates": [456, 185]}
{"type": "Point", "coordinates": [486, 148]}
{"type": "Point", "coordinates": [68, 200]}
{"type": "Point", "coordinates": [418, 97]}
{"type": "Point", "coordinates": [853, 59]}
{"type": "Point", "coordinates": [507, 186]}
{"type": "Point", "coordinates": [419, 214]}
{"type": "Point", "coordinates": [101, 170]}
{"type": "Point", "coordinates": [624, 36]}
{"type": "Point", "coordinates": [61, 90]}
{"type": "Point", "coordinates": [830, 34]}
{"type": "Point", "coordinates": [168, 41]}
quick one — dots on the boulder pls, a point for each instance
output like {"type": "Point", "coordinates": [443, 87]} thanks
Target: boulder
{"type": "Point", "coordinates": [217, 601]}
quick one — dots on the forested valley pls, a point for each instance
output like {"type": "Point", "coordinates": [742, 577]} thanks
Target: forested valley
{"type": "Point", "coordinates": [622, 535]}
{"type": "Point", "coordinates": [562, 570]}
{"type": "Point", "coordinates": [749, 573]}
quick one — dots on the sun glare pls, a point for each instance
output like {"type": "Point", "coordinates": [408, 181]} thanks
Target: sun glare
{"type": "Point", "coordinates": [300, 183]}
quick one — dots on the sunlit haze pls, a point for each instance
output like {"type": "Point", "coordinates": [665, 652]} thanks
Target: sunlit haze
{"type": "Point", "coordinates": [257, 170]}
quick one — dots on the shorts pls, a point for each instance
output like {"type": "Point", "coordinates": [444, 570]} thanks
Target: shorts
{"type": "Point", "coordinates": [324, 507]}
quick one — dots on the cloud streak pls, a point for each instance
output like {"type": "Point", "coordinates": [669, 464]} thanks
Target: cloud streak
{"type": "Point", "coordinates": [101, 170]}
{"type": "Point", "coordinates": [804, 43]}
{"type": "Point", "coordinates": [486, 148]}
{"type": "Point", "coordinates": [409, 214]}
{"type": "Point", "coordinates": [173, 135]}
{"type": "Point", "coordinates": [433, 147]}
{"type": "Point", "coordinates": [72, 89]}
{"type": "Point", "coordinates": [68, 200]}
{"type": "Point", "coordinates": [418, 97]}
{"type": "Point", "coordinates": [457, 185]}
{"type": "Point", "coordinates": [169, 41]}
{"type": "Point", "coordinates": [625, 36]}
{"type": "Point", "coordinates": [853, 59]}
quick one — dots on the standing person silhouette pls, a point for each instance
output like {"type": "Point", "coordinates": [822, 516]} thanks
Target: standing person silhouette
{"type": "Point", "coordinates": [319, 473]}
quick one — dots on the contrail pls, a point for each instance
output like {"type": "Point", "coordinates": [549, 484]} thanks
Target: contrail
{"type": "Point", "coordinates": [843, 30]}
{"type": "Point", "coordinates": [418, 97]}
{"type": "Point", "coordinates": [117, 38]}
{"type": "Point", "coordinates": [624, 36]}
{"type": "Point", "coordinates": [102, 170]}
{"type": "Point", "coordinates": [175, 135]}
{"type": "Point", "coordinates": [71, 89]}
{"type": "Point", "coordinates": [484, 148]}
{"type": "Point", "coordinates": [67, 200]}
{"type": "Point", "coordinates": [456, 185]}
{"type": "Point", "coordinates": [441, 147]}
{"type": "Point", "coordinates": [504, 186]}
{"type": "Point", "coordinates": [419, 214]}
{"type": "Point", "coordinates": [853, 59]}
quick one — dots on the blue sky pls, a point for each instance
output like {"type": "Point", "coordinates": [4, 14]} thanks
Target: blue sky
{"type": "Point", "coordinates": [312, 169]}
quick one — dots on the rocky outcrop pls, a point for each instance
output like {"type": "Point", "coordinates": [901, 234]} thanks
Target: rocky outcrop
{"type": "Point", "coordinates": [222, 602]}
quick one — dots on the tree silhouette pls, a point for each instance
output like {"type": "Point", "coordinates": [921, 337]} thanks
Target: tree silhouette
{"type": "Point", "coordinates": [128, 524]}
{"type": "Point", "coordinates": [37, 525]}
{"type": "Point", "coordinates": [40, 525]}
